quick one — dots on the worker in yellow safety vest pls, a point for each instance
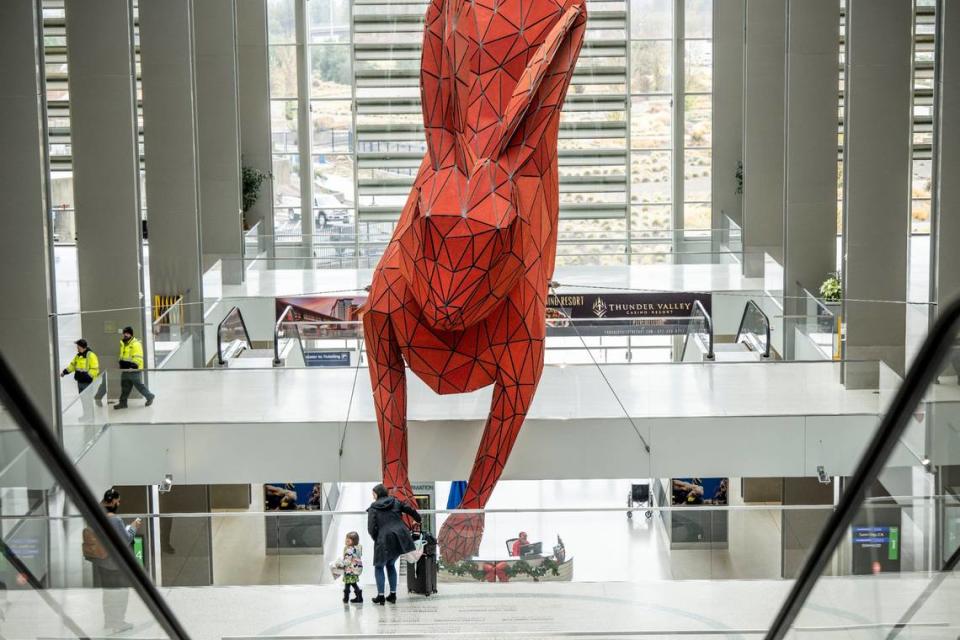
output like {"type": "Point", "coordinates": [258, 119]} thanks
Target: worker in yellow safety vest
{"type": "Point", "coordinates": [131, 365]}
{"type": "Point", "coordinates": [85, 368]}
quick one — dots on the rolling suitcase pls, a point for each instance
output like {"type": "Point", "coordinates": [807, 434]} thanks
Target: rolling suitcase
{"type": "Point", "coordinates": [422, 575]}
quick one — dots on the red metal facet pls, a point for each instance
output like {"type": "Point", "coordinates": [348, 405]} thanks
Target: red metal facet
{"type": "Point", "coordinates": [460, 293]}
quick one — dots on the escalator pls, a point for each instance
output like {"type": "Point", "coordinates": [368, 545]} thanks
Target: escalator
{"type": "Point", "coordinates": [235, 350]}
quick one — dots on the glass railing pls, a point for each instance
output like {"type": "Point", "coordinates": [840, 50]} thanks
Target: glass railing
{"type": "Point", "coordinates": [253, 242]}
{"type": "Point", "coordinates": [658, 543]}
{"type": "Point", "coordinates": [702, 333]}
{"type": "Point", "coordinates": [232, 329]}
{"type": "Point", "coordinates": [67, 571]}
{"type": "Point", "coordinates": [754, 330]}
{"type": "Point", "coordinates": [213, 279]}
{"type": "Point", "coordinates": [816, 332]}
{"type": "Point", "coordinates": [885, 564]}
{"type": "Point", "coordinates": [330, 258]}
{"type": "Point", "coordinates": [168, 332]}
{"type": "Point", "coordinates": [642, 339]}
{"type": "Point", "coordinates": [342, 247]}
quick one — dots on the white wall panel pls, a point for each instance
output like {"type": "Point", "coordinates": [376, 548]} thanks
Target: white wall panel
{"type": "Point", "coordinates": [445, 449]}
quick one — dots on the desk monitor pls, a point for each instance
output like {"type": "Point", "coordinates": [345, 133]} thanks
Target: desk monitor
{"type": "Point", "coordinates": [531, 550]}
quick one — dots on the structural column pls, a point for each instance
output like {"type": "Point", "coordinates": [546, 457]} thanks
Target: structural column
{"type": "Point", "coordinates": [254, 92]}
{"type": "Point", "coordinates": [106, 173]}
{"type": "Point", "coordinates": [218, 129]}
{"type": "Point", "coordinates": [945, 283]}
{"type": "Point", "coordinates": [810, 151]}
{"type": "Point", "coordinates": [27, 328]}
{"type": "Point", "coordinates": [304, 129]}
{"type": "Point", "coordinates": [167, 57]}
{"type": "Point", "coordinates": [763, 107]}
{"type": "Point", "coordinates": [947, 155]}
{"type": "Point", "coordinates": [728, 17]}
{"type": "Point", "coordinates": [877, 184]}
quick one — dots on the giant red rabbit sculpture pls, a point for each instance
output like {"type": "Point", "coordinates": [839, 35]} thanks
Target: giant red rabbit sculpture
{"type": "Point", "coordinates": [460, 293]}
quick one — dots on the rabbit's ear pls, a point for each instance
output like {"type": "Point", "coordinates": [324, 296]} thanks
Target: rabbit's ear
{"type": "Point", "coordinates": [538, 94]}
{"type": "Point", "coordinates": [437, 88]}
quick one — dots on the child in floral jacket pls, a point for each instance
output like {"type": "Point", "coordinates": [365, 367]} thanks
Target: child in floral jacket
{"type": "Point", "coordinates": [352, 567]}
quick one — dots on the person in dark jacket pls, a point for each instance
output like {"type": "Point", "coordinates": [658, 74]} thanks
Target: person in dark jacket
{"type": "Point", "coordinates": [391, 538]}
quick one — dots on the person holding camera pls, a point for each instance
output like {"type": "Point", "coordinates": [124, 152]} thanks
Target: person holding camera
{"type": "Point", "coordinates": [85, 368]}
{"type": "Point", "coordinates": [131, 365]}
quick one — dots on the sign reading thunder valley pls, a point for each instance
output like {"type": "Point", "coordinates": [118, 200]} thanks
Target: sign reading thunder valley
{"type": "Point", "coordinates": [634, 313]}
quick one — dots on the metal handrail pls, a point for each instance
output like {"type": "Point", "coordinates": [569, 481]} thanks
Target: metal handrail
{"type": "Point", "coordinates": [276, 335]}
{"type": "Point", "coordinates": [766, 325]}
{"type": "Point", "coordinates": [922, 372]}
{"type": "Point", "coordinates": [698, 305]}
{"type": "Point", "coordinates": [42, 439]}
{"type": "Point", "coordinates": [246, 334]}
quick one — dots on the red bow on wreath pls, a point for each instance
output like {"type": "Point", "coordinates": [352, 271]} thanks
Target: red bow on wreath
{"type": "Point", "coordinates": [495, 572]}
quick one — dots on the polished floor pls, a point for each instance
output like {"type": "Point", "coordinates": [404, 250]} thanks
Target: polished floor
{"type": "Point", "coordinates": [570, 392]}
{"type": "Point", "coordinates": [846, 608]}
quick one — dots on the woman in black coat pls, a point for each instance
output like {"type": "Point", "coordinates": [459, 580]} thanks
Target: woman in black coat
{"type": "Point", "coordinates": [391, 538]}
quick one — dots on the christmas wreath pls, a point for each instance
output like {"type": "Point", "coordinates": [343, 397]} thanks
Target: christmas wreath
{"type": "Point", "coordinates": [502, 571]}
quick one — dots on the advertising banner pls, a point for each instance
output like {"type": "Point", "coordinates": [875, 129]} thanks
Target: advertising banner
{"type": "Point", "coordinates": [697, 491]}
{"type": "Point", "coordinates": [293, 534]}
{"type": "Point", "coordinates": [626, 313]}
{"type": "Point", "coordinates": [320, 308]}
{"type": "Point", "coordinates": [631, 313]}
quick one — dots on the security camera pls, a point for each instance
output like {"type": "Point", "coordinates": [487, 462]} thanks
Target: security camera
{"type": "Point", "coordinates": [822, 475]}
{"type": "Point", "coordinates": [166, 484]}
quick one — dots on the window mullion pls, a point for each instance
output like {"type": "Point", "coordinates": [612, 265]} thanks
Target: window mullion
{"type": "Point", "coordinates": [679, 85]}
{"type": "Point", "coordinates": [304, 126]}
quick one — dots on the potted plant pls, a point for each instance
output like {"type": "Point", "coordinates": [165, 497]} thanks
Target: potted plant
{"type": "Point", "coordinates": [831, 292]}
{"type": "Point", "coordinates": [252, 182]}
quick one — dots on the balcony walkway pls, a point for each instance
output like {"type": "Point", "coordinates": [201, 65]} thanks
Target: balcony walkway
{"type": "Point", "coordinates": [720, 419]}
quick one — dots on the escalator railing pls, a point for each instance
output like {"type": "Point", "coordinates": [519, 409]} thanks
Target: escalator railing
{"type": "Point", "coordinates": [276, 335]}
{"type": "Point", "coordinates": [754, 330]}
{"type": "Point", "coordinates": [48, 458]}
{"type": "Point", "coordinates": [916, 439]}
{"type": "Point", "coordinates": [706, 332]}
{"type": "Point", "coordinates": [231, 328]}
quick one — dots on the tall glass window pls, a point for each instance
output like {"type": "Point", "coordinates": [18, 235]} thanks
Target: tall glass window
{"type": "Point", "coordinates": [698, 113]}
{"type": "Point", "coordinates": [651, 125]}
{"type": "Point", "coordinates": [333, 169]}
{"type": "Point", "coordinates": [635, 134]}
{"type": "Point", "coordinates": [284, 116]}
{"type": "Point", "coordinates": [923, 65]}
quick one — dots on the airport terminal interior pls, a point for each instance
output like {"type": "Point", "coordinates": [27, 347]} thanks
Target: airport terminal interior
{"type": "Point", "coordinates": [479, 318]}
